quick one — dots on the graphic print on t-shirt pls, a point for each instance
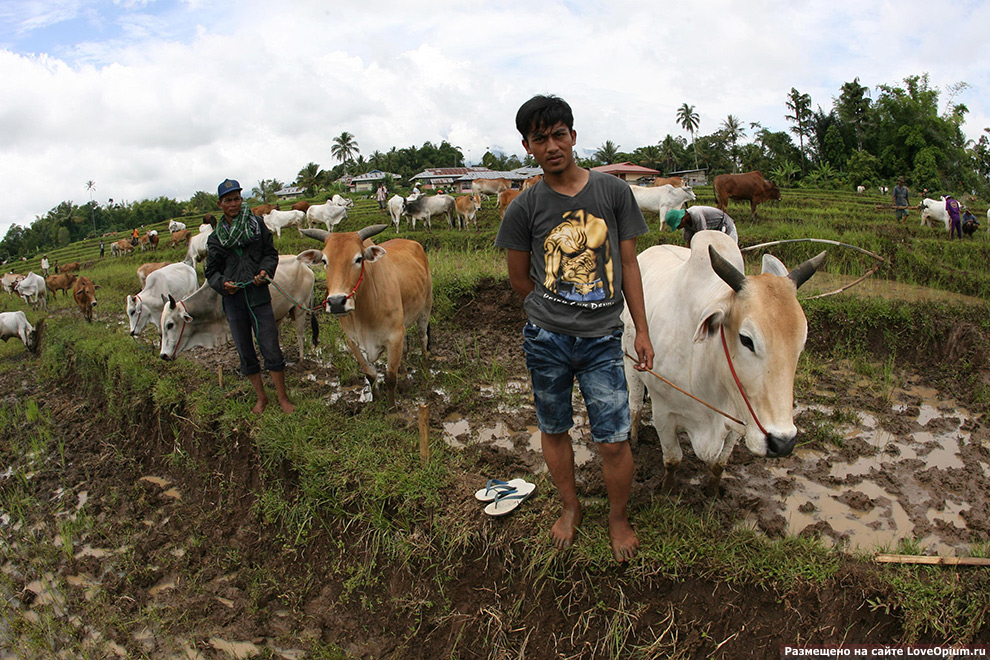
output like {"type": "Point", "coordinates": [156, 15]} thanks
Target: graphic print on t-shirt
{"type": "Point", "coordinates": [578, 258]}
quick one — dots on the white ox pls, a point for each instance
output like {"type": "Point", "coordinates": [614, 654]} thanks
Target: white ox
{"type": "Point", "coordinates": [198, 318]}
{"type": "Point", "coordinates": [175, 226]}
{"type": "Point", "coordinates": [9, 280]}
{"type": "Point", "coordinates": [395, 206]}
{"type": "Point", "coordinates": [276, 220]}
{"type": "Point", "coordinates": [692, 297]}
{"type": "Point", "coordinates": [33, 290]}
{"type": "Point", "coordinates": [340, 200]}
{"type": "Point", "coordinates": [15, 324]}
{"type": "Point", "coordinates": [329, 213]}
{"type": "Point", "coordinates": [145, 306]}
{"type": "Point", "coordinates": [197, 244]}
{"type": "Point", "coordinates": [932, 211]}
{"type": "Point", "coordinates": [425, 207]}
{"type": "Point", "coordinates": [376, 291]}
{"type": "Point", "coordinates": [661, 199]}
{"type": "Point", "coordinates": [860, 189]}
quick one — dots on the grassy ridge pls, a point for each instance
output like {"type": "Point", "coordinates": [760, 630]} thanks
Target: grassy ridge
{"type": "Point", "coordinates": [336, 472]}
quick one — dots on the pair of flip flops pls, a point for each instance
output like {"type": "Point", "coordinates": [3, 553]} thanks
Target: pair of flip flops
{"type": "Point", "coordinates": [504, 496]}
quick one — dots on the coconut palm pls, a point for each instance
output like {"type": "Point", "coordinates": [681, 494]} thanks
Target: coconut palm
{"type": "Point", "coordinates": [607, 153]}
{"type": "Point", "coordinates": [688, 119]}
{"type": "Point", "coordinates": [344, 147]}
{"type": "Point", "coordinates": [309, 178]}
{"type": "Point", "coordinates": [733, 131]}
{"type": "Point", "coordinates": [800, 105]}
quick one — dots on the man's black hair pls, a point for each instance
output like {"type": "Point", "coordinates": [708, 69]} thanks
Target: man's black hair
{"type": "Point", "coordinates": [541, 112]}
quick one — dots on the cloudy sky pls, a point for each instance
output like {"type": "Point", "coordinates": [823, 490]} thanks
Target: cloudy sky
{"type": "Point", "coordinates": [167, 97]}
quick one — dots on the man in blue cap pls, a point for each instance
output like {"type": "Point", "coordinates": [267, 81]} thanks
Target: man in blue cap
{"type": "Point", "coordinates": [241, 260]}
{"type": "Point", "coordinates": [700, 218]}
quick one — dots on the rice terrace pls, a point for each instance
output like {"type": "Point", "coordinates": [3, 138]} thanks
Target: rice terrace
{"type": "Point", "coordinates": [145, 512]}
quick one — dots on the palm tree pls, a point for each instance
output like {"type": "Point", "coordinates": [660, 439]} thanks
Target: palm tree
{"type": "Point", "coordinates": [90, 187]}
{"type": "Point", "coordinates": [669, 151]}
{"type": "Point", "coordinates": [607, 152]}
{"type": "Point", "coordinates": [344, 147]}
{"type": "Point", "coordinates": [733, 131]}
{"type": "Point", "coordinates": [688, 119]}
{"type": "Point", "coordinates": [309, 178]}
{"type": "Point", "coordinates": [800, 105]}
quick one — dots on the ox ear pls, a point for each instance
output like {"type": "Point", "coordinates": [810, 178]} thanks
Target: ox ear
{"type": "Point", "coordinates": [726, 271]}
{"type": "Point", "coordinates": [774, 266]}
{"type": "Point", "coordinates": [710, 322]}
{"type": "Point", "coordinates": [312, 257]}
{"type": "Point", "coordinates": [373, 253]}
{"type": "Point", "coordinates": [802, 273]}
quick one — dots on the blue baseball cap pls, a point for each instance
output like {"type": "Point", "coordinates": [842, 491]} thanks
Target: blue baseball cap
{"type": "Point", "coordinates": [228, 186]}
{"type": "Point", "coordinates": [673, 218]}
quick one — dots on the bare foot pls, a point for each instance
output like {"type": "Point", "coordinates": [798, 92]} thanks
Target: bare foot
{"type": "Point", "coordinates": [260, 406]}
{"type": "Point", "coordinates": [625, 545]}
{"type": "Point", "coordinates": [564, 530]}
{"type": "Point", "coordinates": [287, 405]}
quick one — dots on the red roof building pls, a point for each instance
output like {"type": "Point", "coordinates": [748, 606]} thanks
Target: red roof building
{"type": "Point", "coordinates": [627, 171]}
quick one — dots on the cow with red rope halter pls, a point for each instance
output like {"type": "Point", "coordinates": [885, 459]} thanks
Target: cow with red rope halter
{"type": "Point", "coordinates": [729, 340]}
{"type": "Point", "coordinates": [376, 291]}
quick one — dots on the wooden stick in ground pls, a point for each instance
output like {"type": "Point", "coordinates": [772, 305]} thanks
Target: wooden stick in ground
{"type": "Point", "coordinates": [424, 432]}
{"type": "Point", "coordinates": [220, 376]}
{"type": "Point", "coordinates": [932, 561]}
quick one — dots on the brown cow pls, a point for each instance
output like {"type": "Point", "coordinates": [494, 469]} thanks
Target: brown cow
{"type": "Point", "coordinates": [85, 294]}
{"type": "Point", "coordinates": [147, 269]}
{"type": "Point", "coordinates": [208, 219]}
{"type": "Point", "coordinates": [751, 186]}
{"type": "Point", "coordinates": [121, 247]}
{"type": "Point", "coordinates": [263, 209]}
{"type": "Point", "coordinates": [301, 205]}
{"type": "Point", "coordinates": [63, 281]}
{"type": "Point", "coordinates": [485, 187]}
{"type": "Point", "coordinates": [467, 210]}
{"type": "Point", "coordinates": [675, 181]}
{"type": "Point", "coordinates": [531, 181]}
{"type": "Point", "coordinates": [181, 236]}
{"type": "Point", "coordinates": [376, 291]}
{"type": "Point", "coordinates": [69, 267]}
{"type": "Point", "coordinates": [505, 198]}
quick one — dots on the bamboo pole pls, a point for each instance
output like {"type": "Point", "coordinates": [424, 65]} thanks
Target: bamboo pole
{"type": "Point", "coordinates": [424, 432]}
{"type": "Point", "coordinates": [932, 561]}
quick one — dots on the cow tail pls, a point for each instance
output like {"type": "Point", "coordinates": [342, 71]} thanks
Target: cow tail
{"type": "Point", "coordinates": [314, 326]}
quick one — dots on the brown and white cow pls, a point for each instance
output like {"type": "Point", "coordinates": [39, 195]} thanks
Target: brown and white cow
{"type": "Point", "coordinates": [376, 291]}
{"type": "Point", "coordinates": [467, 210]}
{"type": "Point", "coordinates": [751, 186]}
{"type": "Point", "coordinates": [9, 280]}
{"type": "Point", "coordinates": [61, 282]}
{"type": "Point", "coordinates": [84, 292]}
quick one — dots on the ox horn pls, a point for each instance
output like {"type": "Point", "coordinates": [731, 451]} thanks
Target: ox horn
{"type": "Point", "coordinates": [802, 273]}
{"type": "Point", "coordinates": [319, 234]}
{"type": "Point", "coordinates": [371, 230]}
{"type": "Point", "coordinates": [729, 273]}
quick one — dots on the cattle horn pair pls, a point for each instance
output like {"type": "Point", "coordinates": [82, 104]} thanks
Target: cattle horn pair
{"type": "Point", "coordinates": [731, 275]}
{"type": "Point", "coordinates": [322, 235]}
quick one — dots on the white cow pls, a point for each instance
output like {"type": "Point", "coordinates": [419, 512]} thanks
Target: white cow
{"type": "Point", "coordinates": [340, 200]}
{"type": "Point", "coordinates": [15, 324]}
{"type": "Point", "coordinates": [33, 290]}
{"type": "Point", "coordinates": [860, 189]}
{"type": "Point", "coordinates": [9, 280]}
{"type": "Point", "coordinates": [424, 208]}
{"type": "Point", "coordinates": [146, 306]}
{"type": "Point", "coordinates": [693, 298]}
{"type": "Point", "coordinates": [198, 318]}
{"type": "Point", "coordinates": [329, 213]}
{"type": "Point", "coordinates": [661, 199]}
{"type": "Point", "coordinates": [395, 206]}
{"type": "Point", "coordinates": [276, 220]}
{"type": "Point", "coordinates": [175, 226]}
{"type": "Point", "coordinates": [932, 211]}
{"type": "Point", "coordinates": [197, 244]}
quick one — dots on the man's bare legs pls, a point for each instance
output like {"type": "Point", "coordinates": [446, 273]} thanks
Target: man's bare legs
{"type": "Point", "coordinates": [559, 455]}
{"type": "Point", "coordinates": [259, 390]}
{"type": "Point", "coordinates": [278, 377]}
{"type": "Point", "coordinates": [618, 469]}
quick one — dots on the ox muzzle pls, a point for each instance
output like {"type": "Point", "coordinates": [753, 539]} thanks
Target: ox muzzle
{"type": "Point", "coordinates": [779, 446]}
{"type": "Point", "coordinates": [339, 304]}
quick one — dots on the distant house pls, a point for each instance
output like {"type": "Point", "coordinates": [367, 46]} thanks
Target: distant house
{"type": "Point", "coordinates": [291, 192]}
{"type": "Point", "coordinates": [368, 182]}
{"type": "Point", "coordinates": [693, 177]}
{"type": "Point", "coordinates": [629, 172]}
{"type": "Point", "coordinates": [438, 177]}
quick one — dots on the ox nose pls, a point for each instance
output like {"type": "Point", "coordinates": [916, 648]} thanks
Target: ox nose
{"type": "Point", "coordinates": [335, 304]}
{"type": "Point", "coordinates": [779, 446]}
{"type": "Point", "coordinates": [165, 357]}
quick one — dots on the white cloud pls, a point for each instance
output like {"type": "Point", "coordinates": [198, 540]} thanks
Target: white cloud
{"type": "Point", "coordinates": [170, 98]}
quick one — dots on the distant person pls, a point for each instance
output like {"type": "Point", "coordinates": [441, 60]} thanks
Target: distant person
{"type": "Point", "coordinates": [134, 236]}
{"type": "Point", "coordinates": [700, 218]}
{"type": "Point", "coordinates": [101, 248]}
{"type": "Point", "coordinates": [969, 223]}
{"type": "Point", "coordinates": [56, 267]}
{"type": "Point", "coordinates": [900, 199]}
{"type": "Point", "coordinates": [955, 221]}
{"type": "Point", "coordinates": [241, 259]}
{"type": "Point", "coordinates": [381, 195]}
{"type": "Point", "coordinates": [44, 265]}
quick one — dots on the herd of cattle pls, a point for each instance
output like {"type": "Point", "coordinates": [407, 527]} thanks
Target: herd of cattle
{"type": "Point", "coordinates": [377, 291]}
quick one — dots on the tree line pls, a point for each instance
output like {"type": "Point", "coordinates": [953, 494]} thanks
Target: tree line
{"type": "Point", "coordinates": [865, 137]}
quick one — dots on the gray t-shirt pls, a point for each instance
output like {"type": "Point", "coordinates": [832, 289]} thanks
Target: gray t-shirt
{"type": "Point", "coordinates": [574, 252]}
{"type": "Point", "coordinates": [700, 218]}
{"type": "Point", "coordinates": [900, 196]}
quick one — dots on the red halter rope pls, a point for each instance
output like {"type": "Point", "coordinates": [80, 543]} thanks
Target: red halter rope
{"type": "Point", "coordinates": [356, 285]}
{"type": "Point", "coordinates": [728, 359]}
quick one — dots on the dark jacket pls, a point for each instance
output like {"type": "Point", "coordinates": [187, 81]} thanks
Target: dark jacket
{"type": "Point", "coordinates": [241, 264]}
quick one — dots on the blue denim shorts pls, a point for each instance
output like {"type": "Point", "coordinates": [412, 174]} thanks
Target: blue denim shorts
{"type": "Point", "coordinates": [555, 360]}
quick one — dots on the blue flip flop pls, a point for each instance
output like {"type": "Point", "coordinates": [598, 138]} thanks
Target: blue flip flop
{"type": "Point", "coordinates": [496, 487]}
{"type": "Point", "coordinates": [507, 502]}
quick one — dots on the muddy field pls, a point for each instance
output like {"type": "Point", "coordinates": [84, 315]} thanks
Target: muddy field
{"type": "Point", "coordinates": [901, 461]}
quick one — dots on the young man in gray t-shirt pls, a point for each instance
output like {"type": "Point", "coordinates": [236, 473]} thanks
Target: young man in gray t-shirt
{"type": "Point", "coordinates": [571, 254]}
